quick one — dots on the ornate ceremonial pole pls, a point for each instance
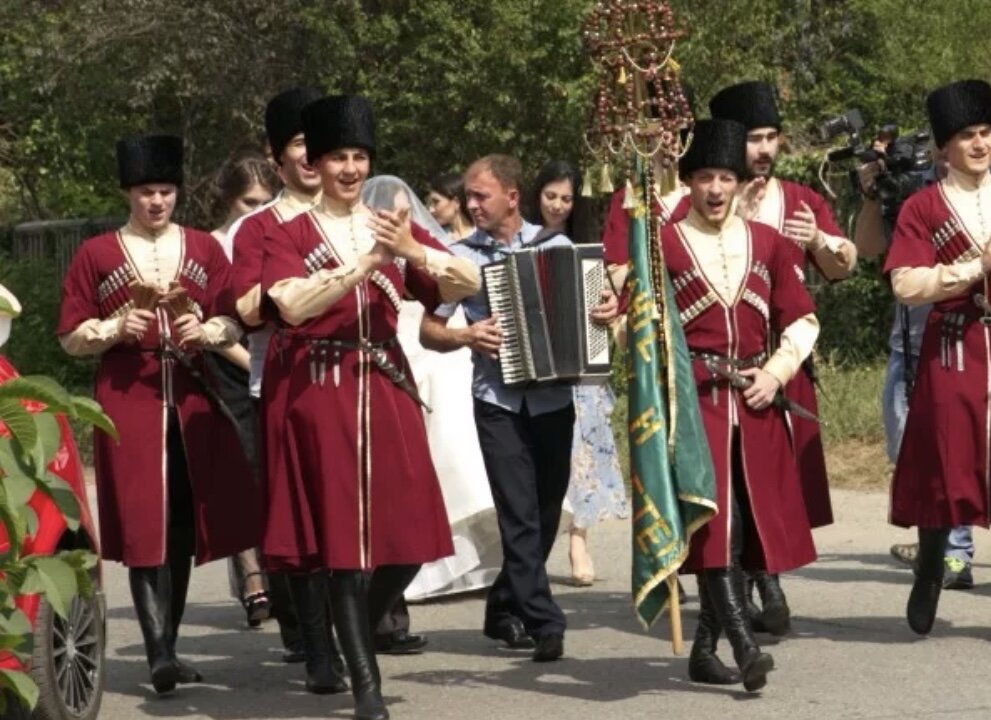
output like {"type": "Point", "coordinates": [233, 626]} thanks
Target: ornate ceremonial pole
{"type": "Point", "coordinates": [636, 121]}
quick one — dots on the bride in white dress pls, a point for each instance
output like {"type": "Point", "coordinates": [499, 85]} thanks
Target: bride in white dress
{"type": "Point", "coordinates": [443, 380]}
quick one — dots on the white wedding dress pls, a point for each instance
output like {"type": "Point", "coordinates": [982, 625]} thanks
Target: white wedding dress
{"type": "Point", "coordinates": [444, 382]}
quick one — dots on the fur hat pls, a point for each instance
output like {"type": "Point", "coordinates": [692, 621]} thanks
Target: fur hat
{"type": "Point", "coordinates": [338, 121]}
{"type": "Point", "coordinates": [145, 159]}
{"type": "Point", "coordinates": [754, 104]}
{"type": "Point", "coordinates": [716, 144]}
{"type": "Point", "coordinates": [957, 106]}
{"type": "Point", "coordinates": [284, 116]}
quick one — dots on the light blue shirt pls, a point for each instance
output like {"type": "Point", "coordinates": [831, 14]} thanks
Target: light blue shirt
{"type": "Point", "coordinates": [487, 386]}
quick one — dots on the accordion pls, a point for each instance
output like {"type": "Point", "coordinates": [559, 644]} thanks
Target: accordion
{"type": "Point", "coordinates": [542, 297]}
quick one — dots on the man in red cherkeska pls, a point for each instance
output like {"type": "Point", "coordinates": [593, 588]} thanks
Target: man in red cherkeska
{"type": "Point", "coordinates": [802, 216]}
{"type": "Point", "coordinates": [147, 299]}
{"type": "Point", "coordinates": [363, 495]}
{"type": "Point", "coordinates": [303, 613]}
{"type": "Point", "coordinates": [736, 287]}
{"type": "Point", "coordinates": [940, 254]}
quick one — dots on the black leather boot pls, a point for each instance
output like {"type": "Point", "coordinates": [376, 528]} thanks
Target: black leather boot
{"type": "Point", "coordinates": [180, 565]}
{"type": "Point", "coordinates": [753, 612]}
{"type": "Point", "coordinates": [725, 587]}
{"type": "Point", "coordinates": [309, 594]}
{"type": "Point", "coordinates": [386, 588]}
{"type": "Point", "coordinates": [336, 656]}
{"type": "Point", "coordinates": [284, 613]}
{"type": "Point", "coordinates": [924, 598]}
{"type": "Point", "coordinates": [704, 666]}
{"type": "Point", "coordinates": [776, 616]}
{"type": "Point", "coordinates": [151, 590]}
{"type": "Point", "coordinates": [349, 598]}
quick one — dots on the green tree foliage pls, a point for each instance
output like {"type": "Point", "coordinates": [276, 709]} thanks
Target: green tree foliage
{"type": "Point", "coordinates": [450, 80]}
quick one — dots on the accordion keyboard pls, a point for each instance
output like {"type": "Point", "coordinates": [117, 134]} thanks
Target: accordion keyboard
{"type": "Point", "coordinates": [501, 305]}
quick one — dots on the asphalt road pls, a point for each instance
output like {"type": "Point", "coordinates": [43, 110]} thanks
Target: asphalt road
{"type": "Point", "coordinates": [851, 655]}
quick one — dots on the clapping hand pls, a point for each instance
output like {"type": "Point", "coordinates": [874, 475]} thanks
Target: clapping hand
{"type": "Point", "coordinates": [391, 229]}
{"type": "Point", "coordinates": [801, 227]}
{"type": "Point", "coordinates": [750, 197]}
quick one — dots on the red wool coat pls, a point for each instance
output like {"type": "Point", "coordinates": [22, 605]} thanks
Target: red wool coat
{"type": "Point", "coordinates": [133, 383]}
{"type": "Point", "coordinates": [942, 475]}
{"type": "Point", "coordinates": [771, 298]}
{"type": "Point", "coordinates": [248, 252]}
{"type": "Point", "coordinates": [807, 436]}
{"type": "Point", "coordinates": [359, 489]}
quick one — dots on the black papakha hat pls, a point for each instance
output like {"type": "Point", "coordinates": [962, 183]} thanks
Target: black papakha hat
{"type": "Point", "coordinates": [338, 121]}
{"type": "Point", "coordinates": [718, 144]}
{"type": "Point", "coordinates": [957, 106]}
{"type": "Point", "coordinates": [284, 116]}
{"type": "Point", "coordinates": [146, 159]}
{"type": "Point", "coordinates": [754, 104]}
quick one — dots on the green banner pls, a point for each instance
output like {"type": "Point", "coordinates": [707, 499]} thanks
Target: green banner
{"type": "Point", "coordinates": [673, 480]}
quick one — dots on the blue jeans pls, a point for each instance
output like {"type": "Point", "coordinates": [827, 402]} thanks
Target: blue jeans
{"type": "Point", "coordinates": [894, 407]}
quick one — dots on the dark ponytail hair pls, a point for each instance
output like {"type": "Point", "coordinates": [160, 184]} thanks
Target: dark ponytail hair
{"type": "Point", "coordinates": [236, 177]}
{"type": "Point", "coordinates": [452, 186]}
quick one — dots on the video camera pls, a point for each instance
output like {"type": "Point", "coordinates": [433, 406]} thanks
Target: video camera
{"type": "Point", "coordinates": [906, 161]}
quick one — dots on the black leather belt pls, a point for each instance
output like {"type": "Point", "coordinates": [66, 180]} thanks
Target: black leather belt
{"type": "Point", "coordinates": [736, 363]}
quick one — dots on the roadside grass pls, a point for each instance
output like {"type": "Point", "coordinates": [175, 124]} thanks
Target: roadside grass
{"type": "Point", "coordinates": [853, 434]}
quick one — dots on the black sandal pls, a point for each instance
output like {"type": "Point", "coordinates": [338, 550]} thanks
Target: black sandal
{"type": "Point", "coordinates": [257, 605]}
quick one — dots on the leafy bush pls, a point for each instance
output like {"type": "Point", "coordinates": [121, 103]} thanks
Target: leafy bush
{"type": "Point", "coordinates": [30, 440]}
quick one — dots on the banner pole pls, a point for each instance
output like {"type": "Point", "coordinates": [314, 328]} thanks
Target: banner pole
{"type": "Point", "coordinates": [674, 611]}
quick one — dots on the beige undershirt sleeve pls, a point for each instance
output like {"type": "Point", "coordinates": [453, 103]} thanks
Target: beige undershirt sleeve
{"type": "Point", "coordinates": [456, 277]}
{"type": "Point", "coordinates": [836, 256]}
{"type": "Point", "coordinates": [299, 299]}
{"type": "Point", "coordinates": [921, 285]}
{"type": "Point", "coordinates": [249, 306]}
{"type": "Point", "coordinates": [796, 344]}
{"type": "Point", "coordinates": [221, 332]}
{"type": "Point", "coordinates": [91, 337]}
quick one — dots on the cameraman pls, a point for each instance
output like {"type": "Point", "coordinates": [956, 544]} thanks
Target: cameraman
{"type": "Point", "coordinates": [871, 236]}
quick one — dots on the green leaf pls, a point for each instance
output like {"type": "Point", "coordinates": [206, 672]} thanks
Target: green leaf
{"type": "Point", "coordinates": [38, 388]}
{"type": "Point", "coordinates": [31, 521]}
{"type": "Point", "coordinates": [19, 421]}
{"type": "Point", "coordinates": [21, 684]}
{"type": "Point", "coordinates": [14, 525]}
{"type": "Point", "coordinates": [89, 410]}
{"type": "Point", "coordinates": [64, 498]}
{"type": "Point", "coordinates": [18, 488]}
{"type": "Point", "coordinates": [32, 583]}
{"type": "Point", "coordinates": [15, 623]}
{"type": "Point", "coordinates": [14, 573]}
{"type": "Point", "coordinates": [84, 580]}
{"type": "Point", "coordinates": [84, 559]}
{"type": "Point", "coordinates": [58, 580]}
{"type": "Point", "coordinates": [49, 437]}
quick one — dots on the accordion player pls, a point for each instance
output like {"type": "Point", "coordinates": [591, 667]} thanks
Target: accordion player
{"type": "Point", "coordinates": [542, 298]}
